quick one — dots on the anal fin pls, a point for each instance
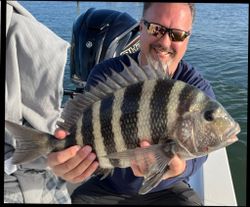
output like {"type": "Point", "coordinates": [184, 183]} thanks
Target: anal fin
{"type": "Point", "coordinates": [152, 180]}
{"type": "Point", "coordinates": [154, 160]}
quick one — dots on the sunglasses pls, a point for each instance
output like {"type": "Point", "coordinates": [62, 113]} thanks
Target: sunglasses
{"type": "Point", "coordinates": [157, 30]}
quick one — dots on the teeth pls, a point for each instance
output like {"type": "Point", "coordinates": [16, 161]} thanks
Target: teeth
{"type": "Point", "coordinates": [161, 52]}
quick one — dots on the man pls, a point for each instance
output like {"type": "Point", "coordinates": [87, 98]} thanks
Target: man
{"type": "Point", "coordinates": [165, 31]}
{"type": "Point", "coordinates": [35, 61]}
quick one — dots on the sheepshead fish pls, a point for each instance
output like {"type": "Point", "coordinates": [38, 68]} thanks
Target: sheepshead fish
{"type": "Point", "coordinates": [133, 105]}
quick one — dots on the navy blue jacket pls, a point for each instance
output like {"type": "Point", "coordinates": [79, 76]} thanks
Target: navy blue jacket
{"type": "Point", "coordinates": [123, 180]}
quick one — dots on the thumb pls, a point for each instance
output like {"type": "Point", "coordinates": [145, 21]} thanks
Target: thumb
{"type": "Point", "coordinates": [144, 143]}
{"type": "Point", "coordinates": [60, 133]}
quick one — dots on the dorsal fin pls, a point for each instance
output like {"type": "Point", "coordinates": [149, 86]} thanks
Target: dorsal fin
{"type": "Point", "coordinates": [130, 75]}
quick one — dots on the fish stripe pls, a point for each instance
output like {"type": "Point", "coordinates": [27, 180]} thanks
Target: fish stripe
{"type": "Point", "coordinates": [144, 115]}
{"type": "Point", "coordinates": [98, 138]}
{"type": "Point", "coordinates": [87, 128]}
{"type": "Point", "coordinates": [78, 132]}
{"type": "Point", "coordinates": [200, 97]}
{"type": "Point", "coordinates": [116, 127]}
{"type": "Point", "coordinates": [106, 127]}
{"type": "Point", "coordinates": [158, 112]}
{"type": "Point", "coordinates": [190, 99]}
{"type": "Point", "coordinates": [173, 104]}
{"type": "Point", "coordinates": [186, 97]}
{"type": "Point", "coordinates": [128, 120]}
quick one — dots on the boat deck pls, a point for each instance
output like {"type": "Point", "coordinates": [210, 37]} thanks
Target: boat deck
{"type": "Point", "coordinates": [214, 181]}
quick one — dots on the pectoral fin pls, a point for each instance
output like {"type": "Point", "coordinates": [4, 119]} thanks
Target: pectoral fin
{"type": "Point", "coordinates": [153, 159]}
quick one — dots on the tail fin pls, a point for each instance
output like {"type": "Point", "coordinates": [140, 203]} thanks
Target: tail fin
{"type": "Point", "coordinates": [31, 143]}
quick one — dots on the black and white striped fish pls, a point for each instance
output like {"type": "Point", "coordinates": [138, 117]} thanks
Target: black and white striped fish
{"type": "Point", "coordinates": [136, 104]}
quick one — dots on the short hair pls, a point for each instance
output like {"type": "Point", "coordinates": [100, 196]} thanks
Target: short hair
{"type": "Point", "coordinates": [146, 5]}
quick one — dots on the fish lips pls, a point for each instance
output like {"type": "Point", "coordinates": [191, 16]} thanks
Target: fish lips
{"type": "Point", "coordinates": [230, 135]}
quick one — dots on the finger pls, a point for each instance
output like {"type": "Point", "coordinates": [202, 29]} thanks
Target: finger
{"type": "Point", "coordinates": [87, 173]}
{"type": "Point", "coordinates": [177, 164]}
{"type": "Point", "coordinates": [148, 159]}
{"type": "Point", "coordinates": [144, 143]}
{"type": "Point", "coordinates": [176, 167]}
{"type": "Point", "coordinates": [70, 164]}
{"type": "Point", "coordinates": [136, 169]}
{"type": "Point", "coordinates": [81, 167]}
{"type": "Point", "coordinates": [83, 170]}
{"type": "Point", "coordinates": [57, 158]}
{"type": "Point", "coordinates": [60, 133]}
{"type": "Point", "coordinates": [140, 165]}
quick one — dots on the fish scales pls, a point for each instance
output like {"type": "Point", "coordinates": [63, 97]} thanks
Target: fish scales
{"type": "Point", "coordinates": [78, 132]}
{"type": "Point", "coordinates": [158, 112]}
{"type": "Point", "coordinates": [189, 139]}
{"type": "Point", "coordinates": [87, 128]}
{"type": "Point", "coordinates": [173, 104]}
{"type": "Point", "coordinates": [129, 116]}
{"type": "Point", "coordinates": [129, 106]}
{"type": "Point", "coordinates": [130, 109]}
{"type": "Point", "coordinates": [99, 146]}
{"type": "Point", "coordinates": [187, 98]}
{"type": "Point", "coordinates": [106, 127]}
{"type": "Point", "coordinates": [120, 144]}
{"type": "Point", "coordinates": [143, 120]}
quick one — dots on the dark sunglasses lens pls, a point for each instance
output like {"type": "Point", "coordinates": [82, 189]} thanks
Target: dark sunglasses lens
{"type": "Point", "coordinates": [159, 31]}
{"type": "Point", "coordinates": [177, 35]}
{"type": "Point", "coordinates": [155, 30]}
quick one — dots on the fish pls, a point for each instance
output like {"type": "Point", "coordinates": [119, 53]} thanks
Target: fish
{"type": "Point", "coordinates": [138, 103]}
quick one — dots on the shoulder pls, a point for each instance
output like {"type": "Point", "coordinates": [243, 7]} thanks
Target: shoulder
{"type": "Point", "coordinates": [189, 74]}
{"type": "Point", "coordinates": [105, 68]}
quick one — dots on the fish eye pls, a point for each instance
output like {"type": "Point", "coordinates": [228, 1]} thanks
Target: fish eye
{"type": "Point", "coordinates": [208, 115]}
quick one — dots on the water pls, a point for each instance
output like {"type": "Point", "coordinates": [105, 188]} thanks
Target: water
{"type": "Point", "coordinates": [218, 48]}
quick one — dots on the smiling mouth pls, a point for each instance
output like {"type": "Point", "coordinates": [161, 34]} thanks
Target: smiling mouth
{"type": "Point", "coordinates": [162, 55]}
{"type": "Point", "coordinates": [160, 51]}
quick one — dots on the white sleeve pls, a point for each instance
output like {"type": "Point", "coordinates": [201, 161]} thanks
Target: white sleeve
{"type": "Point", "coordinates": [35, 64]}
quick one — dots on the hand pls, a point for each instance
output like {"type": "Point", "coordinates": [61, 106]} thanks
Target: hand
{"type": "Point", "coordinates": [73, 164]}
{"type": "Point", "coordinates": [176, 167]}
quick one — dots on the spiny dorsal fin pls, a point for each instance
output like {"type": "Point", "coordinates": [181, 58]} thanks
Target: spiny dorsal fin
{"type": "Point", "coordinates": [130, 75]}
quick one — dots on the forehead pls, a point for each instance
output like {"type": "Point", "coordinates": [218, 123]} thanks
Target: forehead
{"type": "Point", "coordinates": [175, 15]}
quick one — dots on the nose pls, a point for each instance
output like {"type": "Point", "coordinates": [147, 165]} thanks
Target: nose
{"type": "Point", "coordinates": [165, 40]}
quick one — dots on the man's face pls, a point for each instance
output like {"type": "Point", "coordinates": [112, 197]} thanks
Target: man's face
{"type": "Point", "coordinates": [170, 15]}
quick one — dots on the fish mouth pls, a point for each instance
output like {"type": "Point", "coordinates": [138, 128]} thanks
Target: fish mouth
{"type": "Point", "coordinates": [230, 135]}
